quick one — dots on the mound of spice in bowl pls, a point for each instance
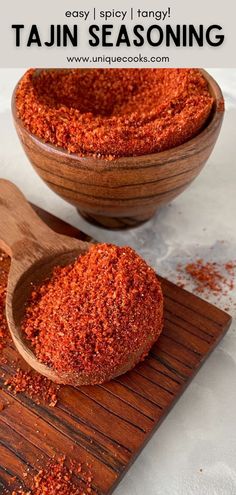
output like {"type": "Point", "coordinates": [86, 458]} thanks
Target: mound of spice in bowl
{"type": "Point", "coordinates": [112, 113]}
{"type": "Point", "coordinates": [98, 316]}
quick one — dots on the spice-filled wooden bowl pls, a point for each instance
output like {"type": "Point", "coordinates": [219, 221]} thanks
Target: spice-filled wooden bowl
{"type": "Point", "coordinates": [128, 190]}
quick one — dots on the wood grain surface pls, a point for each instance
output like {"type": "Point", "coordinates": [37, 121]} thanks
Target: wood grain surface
{"type": "Point", "coordinates": [108, 425]}
{"type": "Point", "coordinates": [128, 190]}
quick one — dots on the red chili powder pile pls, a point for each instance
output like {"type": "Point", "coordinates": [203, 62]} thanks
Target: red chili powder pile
{"type": "Point", "coordinates": [58, 479]}
{"type": "Point", "coordinates": [209, 277]}
{"type": "Point", "coordinates": [35, 386]}
{"type": "Point", "coordinates": [114, 112]}
{"type": "Point", "coordinates": [96, 315]}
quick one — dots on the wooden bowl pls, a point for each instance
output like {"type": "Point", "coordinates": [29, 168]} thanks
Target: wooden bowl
{"type": "Point", "coordinates": [127, 191]}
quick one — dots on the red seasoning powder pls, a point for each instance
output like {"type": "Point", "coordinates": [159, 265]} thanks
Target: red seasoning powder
{"type": "Point", "coordinates": [96, 314]}
{"type": "Point", "coordinates": [58, 479]}
{"type": "Point", "coordinates": [35, 386]}
{"type": "Point", "coordinates": [208, 276]}
{"type": "Point", "coordinates": [114, 112]}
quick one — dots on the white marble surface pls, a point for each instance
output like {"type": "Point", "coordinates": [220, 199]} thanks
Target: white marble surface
{"type": "Point", "coordinates": [194, 451]}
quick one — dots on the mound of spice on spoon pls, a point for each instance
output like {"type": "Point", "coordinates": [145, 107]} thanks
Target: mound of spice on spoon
{"type": "Point", "coordinates": [99, 315]}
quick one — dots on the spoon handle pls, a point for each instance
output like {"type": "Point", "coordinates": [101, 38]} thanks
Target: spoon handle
{"type": "Point", "coordinates": [22, 233]}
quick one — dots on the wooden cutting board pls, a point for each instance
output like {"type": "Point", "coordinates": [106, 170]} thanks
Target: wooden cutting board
{"type": "Point", "coordinates": [108, 425]}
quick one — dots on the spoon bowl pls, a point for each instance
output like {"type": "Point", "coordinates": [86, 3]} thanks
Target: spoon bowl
{"type": "Point", "coordinates": [17, 297]}
{"type": "Point", "coordinates": [35, 250]}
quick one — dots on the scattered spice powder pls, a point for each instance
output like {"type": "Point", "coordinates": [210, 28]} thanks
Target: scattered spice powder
{"type": "Point", "coordinates": [58, 479]}
{"type": "Point", "coordinates": [96, 315]}
{"type": "Point", "coordinates": [114, 112]}
{"type": "Point", "coordinates": [208, 276]}
{"type": "Point", "coordinates": [35, 386]}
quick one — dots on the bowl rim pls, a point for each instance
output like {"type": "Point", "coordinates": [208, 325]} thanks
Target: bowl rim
{"type": "Point", "coordinates": [190, 145]}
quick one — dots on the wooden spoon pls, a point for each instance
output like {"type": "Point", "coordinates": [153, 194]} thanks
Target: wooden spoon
{"type": "Point", "coordinates": [34, 250]}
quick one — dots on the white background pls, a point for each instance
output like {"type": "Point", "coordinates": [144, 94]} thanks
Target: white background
{"type": "Point", "coordinates": [44, 13]}
{"type": "Point", "coordinates": [200, 432]}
